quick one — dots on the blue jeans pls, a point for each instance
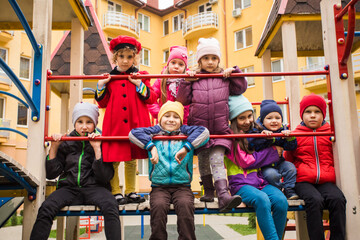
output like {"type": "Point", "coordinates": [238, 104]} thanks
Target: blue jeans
{"type": "Point", "coordinates": [283, 169]}
{"type": "Point", "coordinates": [264, 201]}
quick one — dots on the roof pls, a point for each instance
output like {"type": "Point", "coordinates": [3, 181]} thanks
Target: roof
{"type": "Point", "coordinates": [307, 18]}
{"type": "Point", "coordinates": [97, 56]}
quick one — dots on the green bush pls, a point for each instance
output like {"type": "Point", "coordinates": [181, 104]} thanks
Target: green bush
{"type": "Point", "coordinates": [252, 220]}
{"type": "Point", "coordinates": [13, 219]}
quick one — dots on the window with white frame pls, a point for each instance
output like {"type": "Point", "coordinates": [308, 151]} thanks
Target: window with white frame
{"type": "Point", "coordinates": [327, 118]}
{"type": "Point", "coordinates": [277, 66]}
{"type": "Point", "coordinates": [250, 80]}
{"type": "Point", "coordinates": [145, 57]}
{"type": "Point", "coordinates": [242, 4]}
{"type": "Point", "coordinates": [205, 8]}
{"type": "Point", "coordinates": [2, 108]}
{"type": "Point", "coordinates": [166, 55]}
{"type": "Point", "coordinates": [315, 62]}
{"type": "Point", "coordinates": [284, 110]}
{"type": "Point", "coordinates": [3, 56]}
{"type": "Point", "coordinates": [143, 167]}
{"type": "Point", "coordinates": [177, 22]}
{"type": "Point", "coordinates": [144, 22]}
{"type": "Point", "coordinates": [22, 118]}
{"type": "Point", "coordinates": [114, 7]}
{"type": "Point", "coordinates": [24, 68]}
{"type": "Point", "coordinates": [243, 38]}
{"type": "Point", "coordinates": [166, 27]}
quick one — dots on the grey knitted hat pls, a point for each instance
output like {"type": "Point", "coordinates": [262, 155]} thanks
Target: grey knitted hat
{"type": "Point", "coordinates": [85, 109]}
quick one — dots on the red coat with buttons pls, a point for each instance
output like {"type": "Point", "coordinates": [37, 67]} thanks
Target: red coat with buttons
{"type": "Point", "coordinates": [125, 109]}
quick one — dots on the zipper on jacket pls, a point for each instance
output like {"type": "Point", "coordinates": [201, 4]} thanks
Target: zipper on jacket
{"type": "Point", "coordinates": [170, 170]}
{"type": "Point", "coordinates": [317, 160]}
{"type": "Point", "coordinates": [79, 167]}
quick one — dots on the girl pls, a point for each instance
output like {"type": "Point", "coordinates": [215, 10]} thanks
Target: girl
{"type": "Point", "coordinates": [245, 178]}
{"type": "Point", "coordinates": [170, 168]}
{"type": "Point", "coordinates": [166, 89]}
{"type": "Point", "coordinates": [209, 108]}
{"type": "Point", "coordinates": [125, 102]}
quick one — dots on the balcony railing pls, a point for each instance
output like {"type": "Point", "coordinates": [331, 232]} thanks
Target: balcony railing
{"type": "Point", "coordinates": [4, 123]}
{"type": "Point", "coordinates": [4, 78]}
{"type": "Point", "coordinates": [119, 19]}
{"type": "Point", "coordinates": [200, 20]}
{"type": "Point", "coordinates": [356, 62]}
{"type": "Point", "coordinates": [192, 61]}
{"type": "Point", "coordinates": [314, 78]}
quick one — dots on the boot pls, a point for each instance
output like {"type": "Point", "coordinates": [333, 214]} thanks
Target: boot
{"type": "Point", "coordinates": [226, 202]}
{"type": "Point", "coordinates": [207, 182]}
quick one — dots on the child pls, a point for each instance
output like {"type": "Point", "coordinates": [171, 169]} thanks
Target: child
{"type": "Point", "coordinates": [209, 108]}
{"type": "Point", "coordinates": [125, 102]}
{"type": "Point", "coordinates": [84, 177]}
{"type": "Point", "coordinates": [170, 169]}
{"type": "Point", "coordinates": [166, 89]}
{"type": "Point", "coordinates": [245, 177]}
{"type": "Point", "coordinates": [314, 162]}
{"type": "Point", "coordinates": [270, 121]}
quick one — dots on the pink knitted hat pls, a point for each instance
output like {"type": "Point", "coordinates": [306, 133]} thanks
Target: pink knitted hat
{"type": "Point", "coordinates": [179, 52]}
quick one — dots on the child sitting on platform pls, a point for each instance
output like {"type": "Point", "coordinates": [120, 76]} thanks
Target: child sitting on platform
{"type": "Point", "coordinates": [84, 177]}
{"type": "Point", "coordinates": [270, 121]}
{"type": "Point", "coordinates": [170, 169]}
{"type": "Point", "coordinates": [314, 162]}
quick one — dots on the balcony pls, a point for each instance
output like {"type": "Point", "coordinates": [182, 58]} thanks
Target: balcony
{"type": "Point", "coordinates": [4, 135]}
{"type": "Point", "coordinates": [200, 24]}
{"type": "Point", "coordinates": [6, 36]}
{"type": "Point", "coordinates": [117, 23]}
{"type": "Point", "coordinates": [5, 82]}
{"type": "Point", "coordinates": [314, 82]}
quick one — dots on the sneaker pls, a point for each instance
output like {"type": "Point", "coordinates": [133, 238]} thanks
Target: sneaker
{"type": "Point", "coordinates": [290, 194]}
{"type": "Point", "coordinates": [134, 198]}
{"type": "Point", "coordinates": [120, 199]}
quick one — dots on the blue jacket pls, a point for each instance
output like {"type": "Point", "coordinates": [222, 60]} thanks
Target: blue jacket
{"type": "Point", "coordinates": [167, 171]}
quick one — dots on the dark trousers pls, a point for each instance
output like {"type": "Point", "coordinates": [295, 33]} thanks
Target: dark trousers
{"type": "Point", "coordinates": [318, 197]}
{"type": "Point", "coordinates": [183, 200]}
{"type": "Point", "coordinates": [65, 196]}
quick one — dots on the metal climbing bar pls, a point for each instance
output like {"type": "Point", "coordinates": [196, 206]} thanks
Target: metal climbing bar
{"type": "Point", "coordinates": [345, 9]}
{"type": "Point", "coordinates": [16, 97]}
{"type": "Point", "coordinates": [12, 175]}
{"type": "Point", "coordinates": [350, 37]}
{"type": "Point", "coordinates": [13, 130]}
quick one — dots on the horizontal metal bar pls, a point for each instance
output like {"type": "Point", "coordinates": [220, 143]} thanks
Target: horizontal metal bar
{"type": "Point", "coordinates": [13, 130]}
{"type": "Point", "coordinates": [16, 97]}
{"type": "Point", "coordinates": [257, 135]}
{"type": "Point", "coordinates": [252, 74]}
{"type": "Point", "coordinates": [345, 9]}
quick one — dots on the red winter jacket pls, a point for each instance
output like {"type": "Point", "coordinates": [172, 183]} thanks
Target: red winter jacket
{"type": "Point", "coordinates": [313, 157]}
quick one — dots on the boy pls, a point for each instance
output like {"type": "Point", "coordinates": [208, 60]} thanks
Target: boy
{"type": "Point", "coordinates": [270, 120]}
{"type": "Point", "coordinates": [170, 169]}
{"type": "Point", "coordinates": [314, 163]}
{"type": "Point", "coordinates": [84, 177]}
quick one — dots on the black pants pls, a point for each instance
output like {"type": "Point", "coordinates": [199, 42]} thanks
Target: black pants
{"type": "Point", "coordinates": [318, 197]}
{"type": "Point", "coordinates": [65, 196]}
{"type": "Point", "coordinates": [183, 200]}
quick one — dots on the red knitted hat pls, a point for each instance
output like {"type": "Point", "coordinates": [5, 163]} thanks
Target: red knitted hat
{"type": "Point", "coordinates": [125, 41]}
{"type": "Point", "coordinates": [313, 100]}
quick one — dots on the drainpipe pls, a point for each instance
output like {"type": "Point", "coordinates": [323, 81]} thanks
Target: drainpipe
{"type": "Point", "coordinates": [137, 9]}
{"type": "Point", "coordinates": [226, 44]}
{"type": "Point", "coordinates": [185, 15]}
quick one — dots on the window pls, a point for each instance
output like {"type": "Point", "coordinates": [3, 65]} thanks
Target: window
{"type": "Point", "coordinates": [243, 38]}
{"type": "Point", "coordinates": [114, 7]}
{"type": "Point", "coordinates": [145, 57]}
{"type": "Point", "coordinates": [205, 8]}
{"type": "Point", "coordinates": [166, 27]}
{"type": "Point", "coordinates": [166, 55]}
{"type": "Point", "coordinates": [242, 4]}
{"type": "Point", "coordinates": [3, 56]}
{"type": "Point", "coordinates": [284, 110]}
{"type": "Point", "coordinates": [144, 22]}
{"type": "Point", "coordinates": [251, 80]}
{"type": "Point", "coordinates": [22, 118]}
{"type": "Point", "coordinates": [315, 62]}
{"type": "Point", "coordinates": [25, 68]}
{"type": "Point", "coordinates": [143, 167]}
{"type": "Point", "coordinates": [277, 66]}
{"type": "Point", "coordinates": [177, 22]}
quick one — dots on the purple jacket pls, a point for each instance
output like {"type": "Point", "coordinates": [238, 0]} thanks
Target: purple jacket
{"type": "Point", "coordinates": [208, 99]}
{"type": "Point", "coordinates": [245, 168]}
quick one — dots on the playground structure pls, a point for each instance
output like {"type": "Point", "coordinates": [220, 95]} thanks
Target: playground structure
{"type": "Point", "coordinates": [341, 100]}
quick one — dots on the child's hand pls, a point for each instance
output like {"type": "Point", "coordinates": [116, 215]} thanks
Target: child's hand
{"type": "Point", "coordinates": [280, 150]}
{"type": "Point", "coordinates": [57, 139]}
{"type": "Point", "coordinates": [95, 144]}
{"type": "Point", "coordinates": [102, 82]}
{"type": "Point", "coordinates": [136, 82]}
{"type": "Point", "coordinates": [154, 156]}
{"type": "Point", "coordinates": [286, 133]}
{"type": "Point", "coordinates": [227, 72]}
{"type": "Point", "coordinates": [180, 155]}
{"type": "Point", "coordinates": [267, 132]}
{"type": "Point", "coordinates": [191, 73]}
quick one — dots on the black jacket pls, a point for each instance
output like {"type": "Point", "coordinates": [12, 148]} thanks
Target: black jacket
{"type": "Point", "coordinates": [75, 163]}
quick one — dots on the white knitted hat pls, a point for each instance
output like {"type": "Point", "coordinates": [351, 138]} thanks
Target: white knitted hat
{"type": "Point", "coordinates": [207, 46]}
{"type": "Point", "coordinates": [85, 109]}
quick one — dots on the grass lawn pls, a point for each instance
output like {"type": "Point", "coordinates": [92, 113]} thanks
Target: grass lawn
{"type": "Point", "coordinates": [242, 229]}
{"type": "Point", "coordinates": [53, 232]}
